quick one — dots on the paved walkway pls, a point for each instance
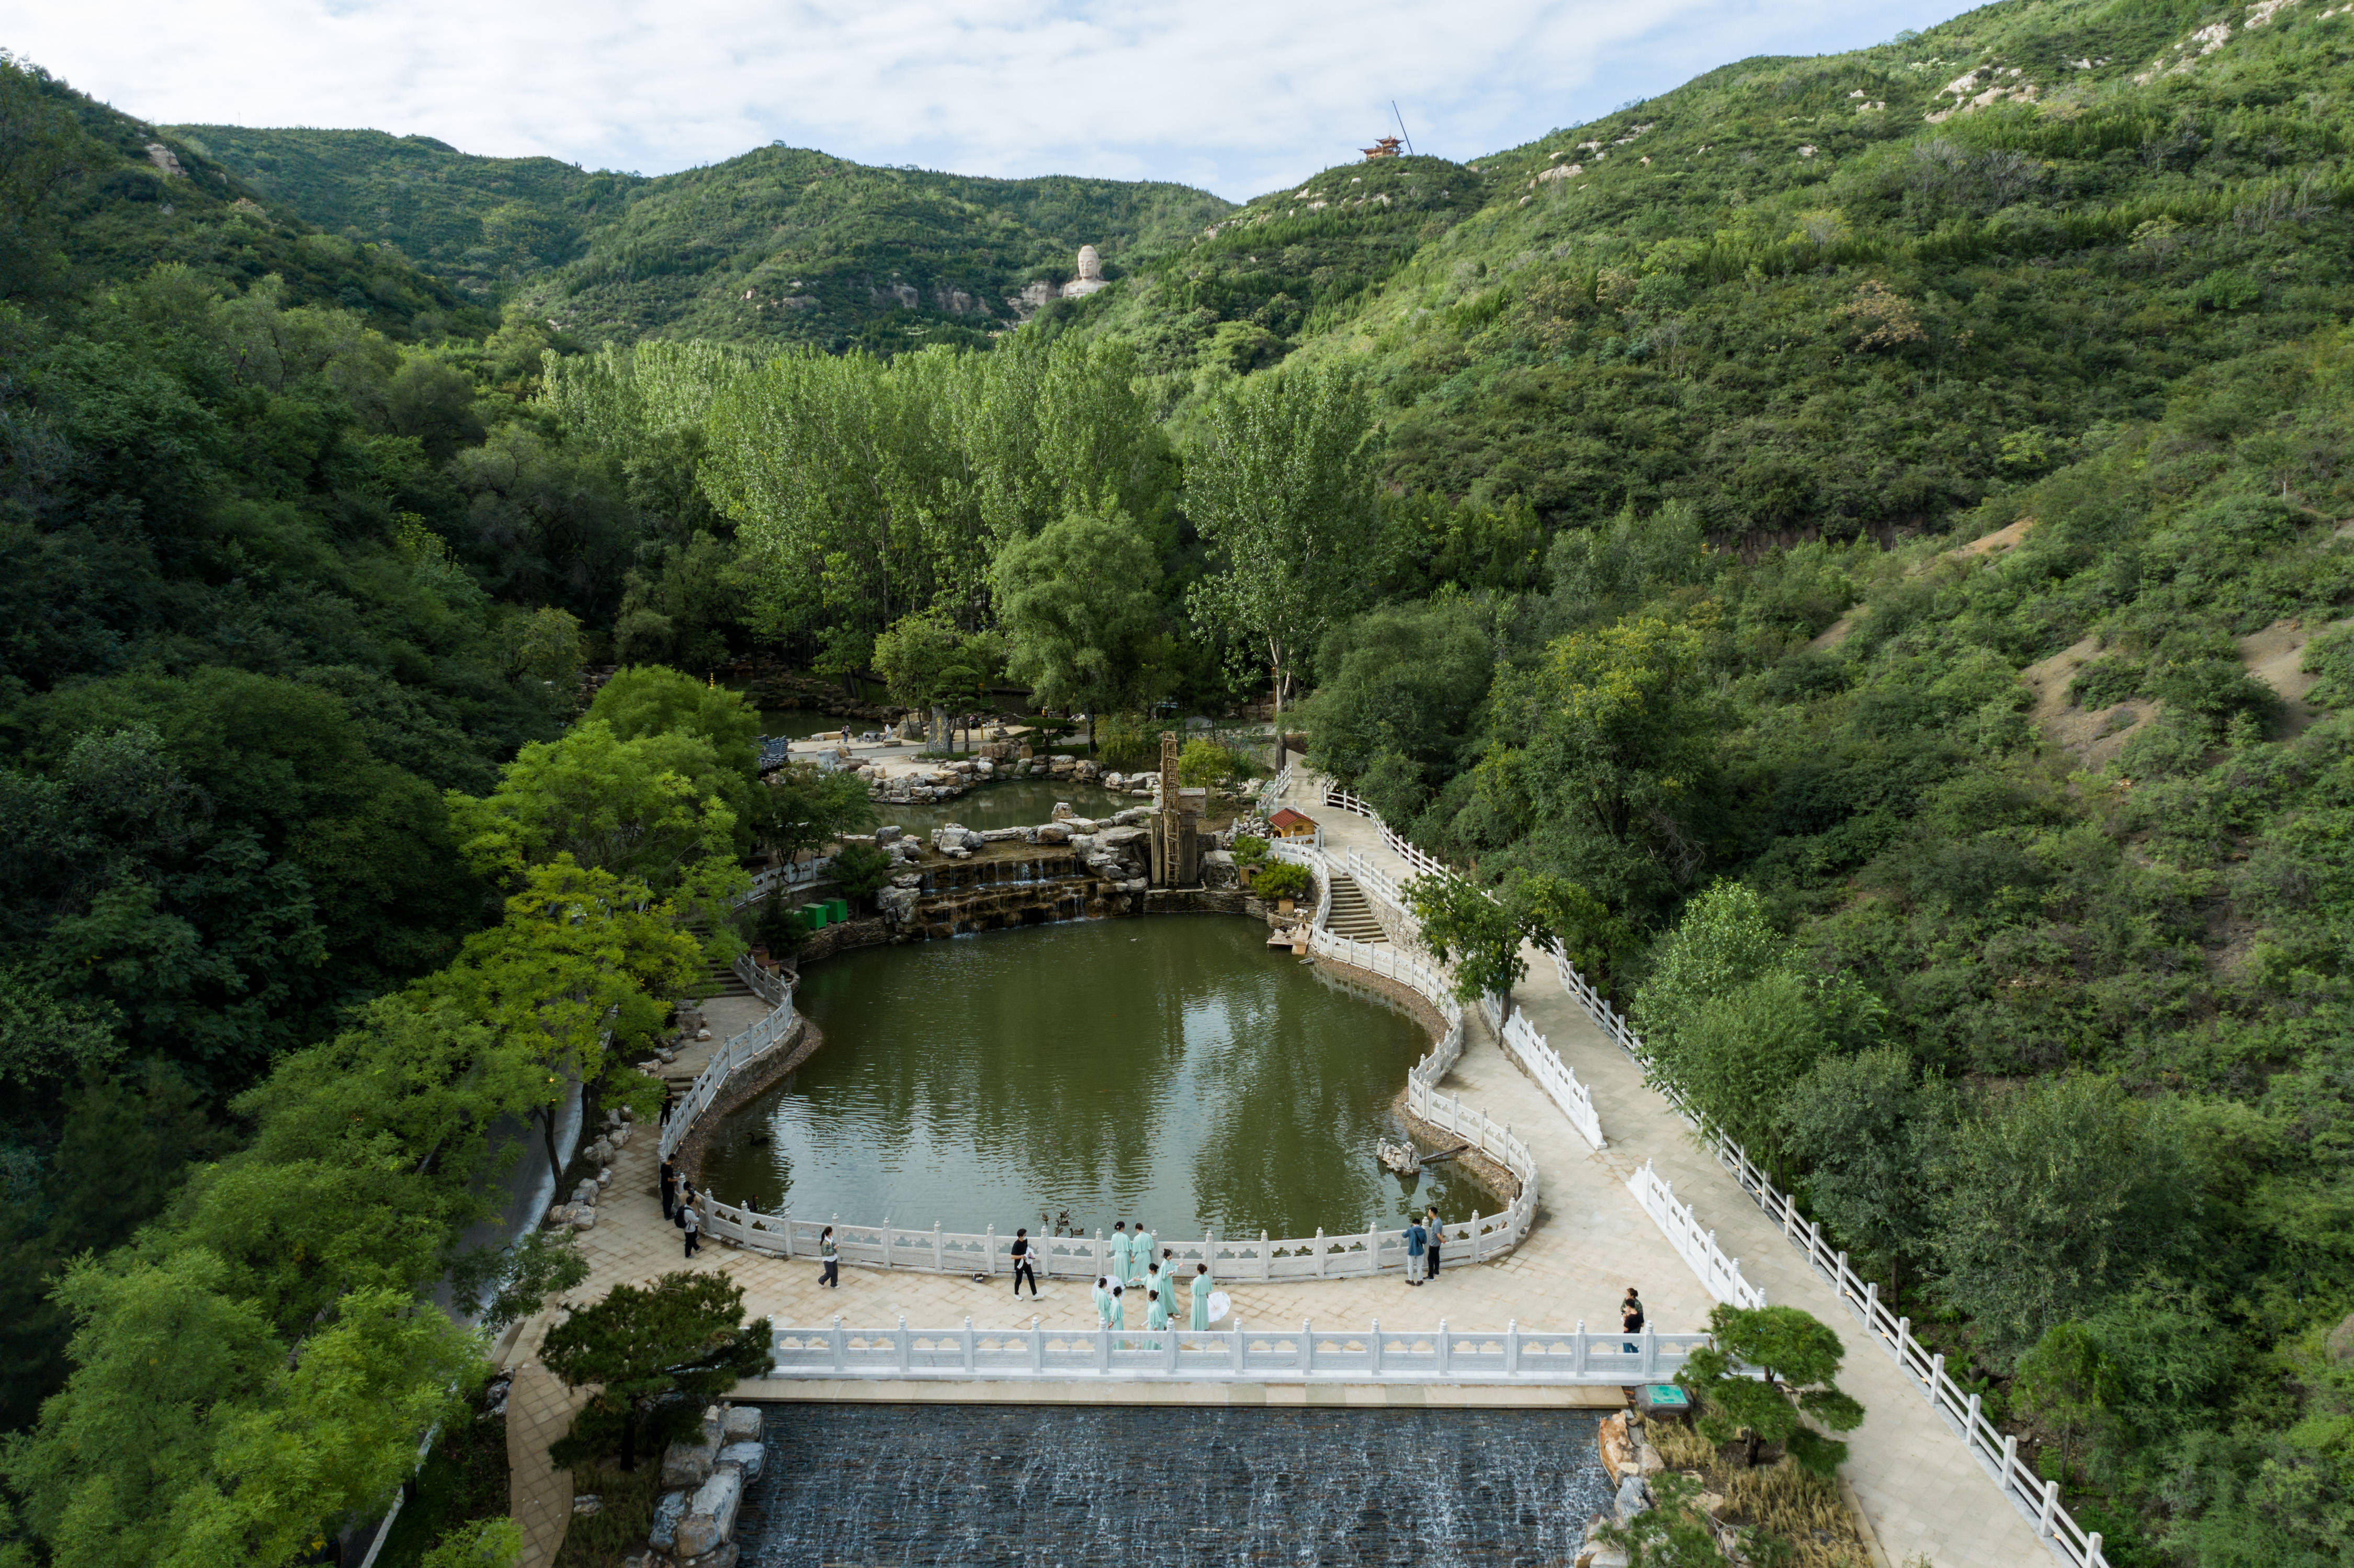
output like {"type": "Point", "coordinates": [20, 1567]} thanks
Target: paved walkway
{"type": "Point", "coordinates": [1917, 1482]}
{"type": "Point", "coordinates": [1918, 1487]}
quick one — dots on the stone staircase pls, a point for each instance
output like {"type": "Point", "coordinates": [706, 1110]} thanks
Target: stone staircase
{"type": "Point", "coordinates": [1351, 917]}
{"type": "Point", "coordinates": [722, 981]}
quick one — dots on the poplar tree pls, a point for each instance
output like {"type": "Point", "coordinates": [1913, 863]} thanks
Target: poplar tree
{"type": "Point", "coordinates": [1281, 489]}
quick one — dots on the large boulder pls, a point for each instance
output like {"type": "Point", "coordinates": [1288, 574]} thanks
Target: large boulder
{"type": "Point", "coordinates": [689, 1464]}
{"type": "Point", "coordinates": [586, 1192]}
{"type": "Point", "coordinates": [1054, 833]}
{"type": "Point", "coordinates": [711, 1516]}
{"type": "Point", "coordinates": [746, 1456]}
{"type": "Point", "coordinates": [669, 1509]}
{"type": "Point", "coordinates": [886, 835]}
{"type": "Point", "coordinates": [740, 1424]}
{"type": "Point", "coordinates": [896, 905]}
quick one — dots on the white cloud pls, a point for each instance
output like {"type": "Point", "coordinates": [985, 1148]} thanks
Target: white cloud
{"type": "Point", "coordinates": [1236, 97]}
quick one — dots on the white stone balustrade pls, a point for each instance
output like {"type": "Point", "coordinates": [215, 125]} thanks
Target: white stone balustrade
{"type": "Point", "coordinates": [1232, 1354]}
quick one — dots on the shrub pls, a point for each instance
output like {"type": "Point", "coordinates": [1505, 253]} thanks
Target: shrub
{"type": "Point", "coordinates": [1249, 848]}
{"type": "Point", "coordinates": [1282, 879]}
{"type": "Point", "coordinates": [1122, 741]}
{"type": "Point", "coordinates": [1205, 762]}
{"type": "Point", "coordinates": [2105, 681]}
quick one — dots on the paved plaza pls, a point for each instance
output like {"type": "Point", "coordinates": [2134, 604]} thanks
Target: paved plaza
{"type": "Point", "coordinates": [1922, 1492]}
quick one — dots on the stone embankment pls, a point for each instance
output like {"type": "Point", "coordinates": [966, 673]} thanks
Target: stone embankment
{"type": "Point", "coordinates": [704, 1484]}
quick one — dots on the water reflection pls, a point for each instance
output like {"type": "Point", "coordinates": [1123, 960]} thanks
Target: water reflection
{"type": "Point", "coordinates": [1173, 1070]}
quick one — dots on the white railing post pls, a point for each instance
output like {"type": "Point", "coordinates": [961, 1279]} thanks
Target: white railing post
{"type": "Point", "coordinates": [1319, 1251]}
{"type": "Point", "coordinates": [1445, 1347]}
{"type": "Point", "coordinates": [2010, 1459]}
{"type": "Point", "coordinates": [1306, 1346]}
{"type": "Point", "coordinates": [1037, 1345]}
{"type": "Point", "coordinates": [1266, 1257]}
{"type": "Point", "coordinates": [988, 1248]}
{"type": "Point", "coordinates": [1103, 1349]}
{"type": "Point", "coordinates": [935, 1247]}
{"type": "Point", "coordinates": [2051, 1506]}
{"type": "Point", "coordinates": [1373, 1346]}
{"type": "Point", "coordinates": [841, 1342]}
{"type": "Point", "coordinates": [968, 1347]}
{"type": "Point", "coordinates": [905, 1343]}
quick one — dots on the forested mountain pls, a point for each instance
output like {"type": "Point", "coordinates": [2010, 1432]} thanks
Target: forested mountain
{"type": "Point", "coordinates": [779, 246]}
{"type": "Point", "coordinates": [480, 223]}
{"type": "Point", "coordinates": [1858, 547]}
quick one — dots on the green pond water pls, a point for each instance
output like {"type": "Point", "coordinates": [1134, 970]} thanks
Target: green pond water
{"type": "Point", "coordinates": [1172, 1069]}
{"type": "Point", "coordinates": [1016, 803]}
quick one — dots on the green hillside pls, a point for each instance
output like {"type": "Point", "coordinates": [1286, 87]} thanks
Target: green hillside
{"type": "Point", "coordinates": [1841, 295]}
{"type": "Point", "coordinates": [87, 194]}
{"type": "Point", "coordinates": [780, 244]}
{"type": "Point", "coordinates": [479, 223]}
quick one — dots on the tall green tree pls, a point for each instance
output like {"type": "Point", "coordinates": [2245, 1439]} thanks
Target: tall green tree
{"type": "Point", "coordinates": [1080, 605]}
{"type": "Point", "coordinates": [575, 983]}
{"type": "Point", "coordinates": [1281, 486]}
{"type": "Point", "coordinates": [653, 807]}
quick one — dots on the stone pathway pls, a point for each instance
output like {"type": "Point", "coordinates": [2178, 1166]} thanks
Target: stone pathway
{"type": "Point", "coordinates": [1916, 1483]}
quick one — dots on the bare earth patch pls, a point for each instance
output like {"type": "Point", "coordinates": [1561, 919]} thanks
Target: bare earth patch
{"type": "Point", "coordinates": [2276, 657]}
{"type": "Point", "coordinates": [2091, 735]}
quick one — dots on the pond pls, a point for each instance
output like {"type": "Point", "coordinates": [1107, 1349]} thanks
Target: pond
{"type": "Point", "coordinates": [1016, 804]}
{"type": "Point", "coordinates": [1172, 1069]}
{"type": "Point", "coordinates": [1156, 1487]}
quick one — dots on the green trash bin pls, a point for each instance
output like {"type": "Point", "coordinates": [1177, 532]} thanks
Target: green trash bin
{"type": "Point", "coordinates": [837, 910]}
{"type": "Point", "coordinates": [815, 915]}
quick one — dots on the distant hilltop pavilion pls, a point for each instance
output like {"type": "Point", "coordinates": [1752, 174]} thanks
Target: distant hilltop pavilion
{"type": "Point", "coordinates": [1383, 147]}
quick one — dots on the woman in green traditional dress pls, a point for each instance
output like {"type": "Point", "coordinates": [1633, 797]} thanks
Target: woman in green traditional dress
{"type": "Point", "coordinates": [1202, 1288]}
{"type": "Point", "coordinates": [1157, 1316]}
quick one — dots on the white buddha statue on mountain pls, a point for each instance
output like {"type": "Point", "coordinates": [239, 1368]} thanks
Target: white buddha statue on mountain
{"type": "Point", "coordinates": [1090, 276]}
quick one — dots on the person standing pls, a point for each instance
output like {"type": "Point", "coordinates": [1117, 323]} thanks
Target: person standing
{"type": "Point", "coordinates": [1156, 1315]}
{"type": "Point", "coordinates": [669, 1187]}
{"type": "Point", "coordinates": [1119, 1308]}
{"type": "Point", "coordinates": [1200, 1321]}
{"type": "Point", "coordinates": [1123, 1252]}
{"type": "Point", "coordinates": [1630, 1318]}
{"type": "Point", "coordinates": [691, 1223]}
{"type": "Point", "coordinates": [1437, 1234]}
{"type": "Point", "coordinates": [1153, 1280]}
{"type": "Point", "coordinates": [1022, 1268]}
{"type": "Point", "coordinates": [1102, 1293]}
{"type": "Point", "coordinates": [1142, 1239]}
{"type": "Point", "coordinates": [1416, 1241]}
{"type": "Point", "coordinates": [830, 1261]}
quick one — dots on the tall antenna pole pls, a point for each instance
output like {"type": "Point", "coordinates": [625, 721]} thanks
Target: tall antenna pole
{"type": "Point", "coordinates": [1401, 119]}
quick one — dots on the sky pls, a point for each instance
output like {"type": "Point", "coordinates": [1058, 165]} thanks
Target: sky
{"type": "Point", "coordinates": [1236, 96]}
